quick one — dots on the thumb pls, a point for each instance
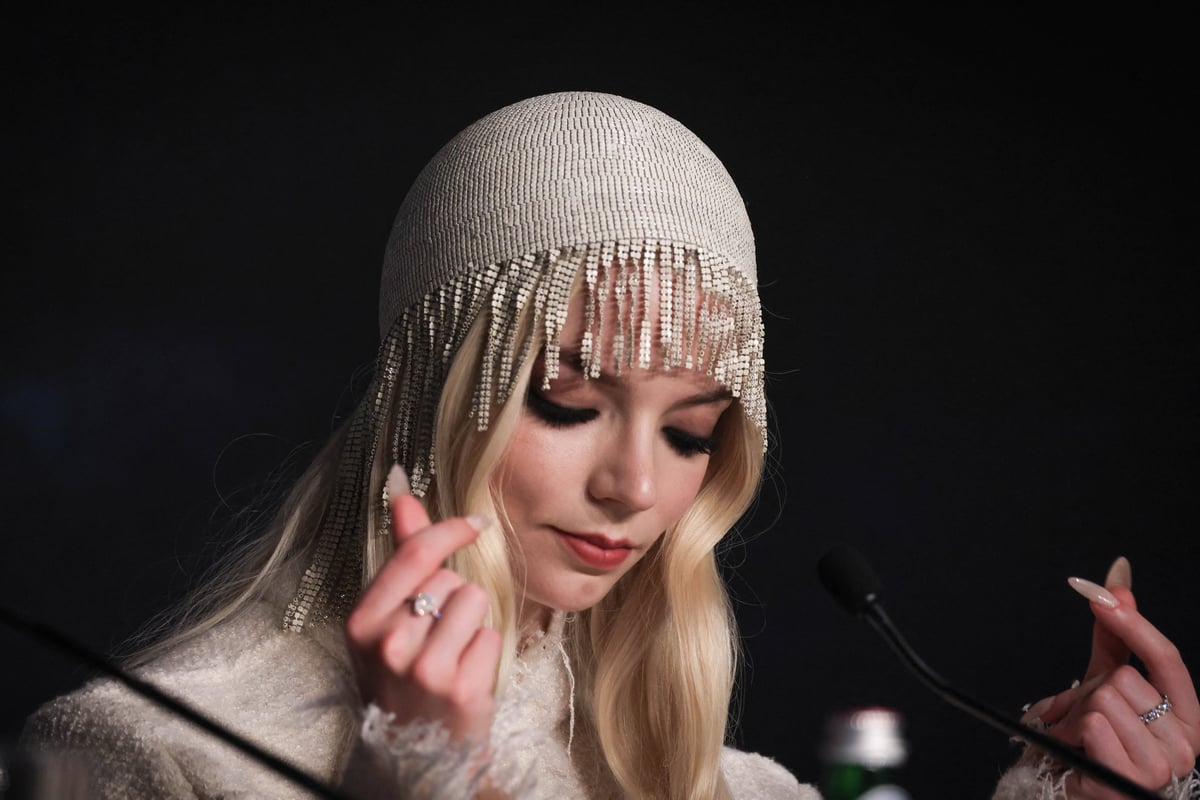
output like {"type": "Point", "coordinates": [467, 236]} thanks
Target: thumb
{"type": "Point", "coordinates": [407, 513]}
{"type": "Point", "coordinates": [1109, 651]}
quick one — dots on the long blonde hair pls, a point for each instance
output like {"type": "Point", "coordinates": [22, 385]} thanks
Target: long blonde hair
{"type": "Point", "coordinates": [656, 658]}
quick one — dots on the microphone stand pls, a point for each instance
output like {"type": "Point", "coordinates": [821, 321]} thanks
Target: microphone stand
{"type": "Point", "coordinates": [48, 636]}
{"type": "Point", "coordinates": [879, 620]}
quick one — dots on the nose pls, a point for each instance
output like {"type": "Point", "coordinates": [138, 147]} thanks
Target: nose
{"type": "Point", "coordinates": [624, 475]}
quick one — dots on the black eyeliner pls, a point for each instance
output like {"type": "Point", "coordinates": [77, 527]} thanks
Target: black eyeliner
{"type": "Point", "coordinates": [550, 413]}
{"type": "Point", "coordinates": [554, 414]}
{"type": "Point", "coordinates": [687, 444]}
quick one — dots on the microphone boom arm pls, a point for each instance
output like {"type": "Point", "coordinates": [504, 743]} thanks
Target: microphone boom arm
{"type": "Point", "coordinates": [48, 636]}
{"type": "Point", "coordinates": [879, 620]}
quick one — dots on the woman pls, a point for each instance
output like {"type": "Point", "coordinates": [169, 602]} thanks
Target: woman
{"type": "Point", "coordinates": [571, 380]}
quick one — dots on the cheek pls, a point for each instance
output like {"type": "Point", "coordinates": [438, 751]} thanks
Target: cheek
{"type": "Point", "coordinates": [540, 463]}
{"type": "Point", "coordinates": [680, 487]}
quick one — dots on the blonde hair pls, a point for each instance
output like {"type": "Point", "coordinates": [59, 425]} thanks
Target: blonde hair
{"type": "Point", "coordinates": [656, 659]}
{"type": "Point", "coordinates": [659, 653]}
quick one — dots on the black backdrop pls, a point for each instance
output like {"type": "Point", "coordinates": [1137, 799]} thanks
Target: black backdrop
{"type": "Point", "coordinates": [975, 237]}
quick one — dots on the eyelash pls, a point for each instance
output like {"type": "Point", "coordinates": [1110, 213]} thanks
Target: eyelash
{"type": "Point", "coordinates": [556, 416]}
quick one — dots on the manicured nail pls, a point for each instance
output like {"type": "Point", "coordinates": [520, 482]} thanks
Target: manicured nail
{"type": "Point", "coordinates": [1036, 710]}
{"type": "Point", "coordinates": [397, 481]}
{"type": "Point", "coordinates": [479, 522]}
{"type": "Point", "coordinates": [1119, 574]}
{"type": "Point", "coordinates": [1094, 592]}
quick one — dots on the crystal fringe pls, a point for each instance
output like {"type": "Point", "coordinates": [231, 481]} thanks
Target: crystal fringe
{"type": "Point", "coordinates": [710, 320]}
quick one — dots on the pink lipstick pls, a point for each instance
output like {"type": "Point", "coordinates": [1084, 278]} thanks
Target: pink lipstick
{"type": "Point", "coordinates": [596, 550]}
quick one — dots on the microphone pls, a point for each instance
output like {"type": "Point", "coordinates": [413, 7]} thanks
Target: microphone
{"type": "Point", "coordinates": [849, 578]}
{"type": "Point", "coordinates": [48, 636]}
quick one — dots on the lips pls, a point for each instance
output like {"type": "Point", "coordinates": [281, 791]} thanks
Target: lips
{"type": "Point", "coordinates": [596, 550]}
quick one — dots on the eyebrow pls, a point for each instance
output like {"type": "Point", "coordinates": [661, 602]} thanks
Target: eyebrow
{"type": "Point", "coordinates": [573, 358]}
{"type": "Point", "coordinates": [715, 396]}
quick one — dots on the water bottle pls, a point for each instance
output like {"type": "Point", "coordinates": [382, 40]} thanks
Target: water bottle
{"type": "Point", "coordinates": [862, 751]}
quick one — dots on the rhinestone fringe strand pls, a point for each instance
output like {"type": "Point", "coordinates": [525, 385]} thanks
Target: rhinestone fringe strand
{"type": "Point", "coordinates": [709, 320]}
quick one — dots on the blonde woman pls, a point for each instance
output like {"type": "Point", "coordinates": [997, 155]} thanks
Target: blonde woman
{"type": "Point", "coordinates": [498, 579]}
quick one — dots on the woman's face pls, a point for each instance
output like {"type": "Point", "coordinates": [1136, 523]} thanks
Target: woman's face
{"type": "Point", "coordinates": [599, 468]}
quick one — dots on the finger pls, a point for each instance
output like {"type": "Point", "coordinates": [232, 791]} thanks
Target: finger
{"type": "Point", "coordinates": [1140, 745]}
{"type": "Point", "coordinates": [407, 512]}
{"type": "Point", "coordinates": [1165, 669]}
{"type": "Point", "coordinates": [1109, 651]}
{"type": "Point", "coordinates": [405, 633]}
{"type": "Point", "coordinates": [1167, 731]}
{"type": "Point", "coordinates": [480, 659]}
{"type": "Point", "coordinates": [1102, 744]}
{"type": "Point", "coordinates": [1173, 738]}
{"type": "Point", "coordinates": [436, 591]}
{"type": "Point", "coordinates": [422, 554]}
{"type": "Point", "coordinates": [1149, 763]}
{"type": "Point", "coordinates": [462, 615]}
{"type": "Point", "coordinates": [1119, 574]}
{"type": "Point", "coordinates": [1062, 703]}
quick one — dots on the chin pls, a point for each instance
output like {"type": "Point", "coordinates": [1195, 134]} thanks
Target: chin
{"type": "Point", "coordinates": [574, 599]}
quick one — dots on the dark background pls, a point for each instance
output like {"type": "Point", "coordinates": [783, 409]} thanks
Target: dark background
{"type": "Point", "coordinates": [976, 247]}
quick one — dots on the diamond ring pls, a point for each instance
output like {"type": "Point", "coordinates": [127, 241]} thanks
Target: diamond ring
{"type": "Point", "coordinates": [423, 604]}
{"type": "Point", "coordinates": [1159, 710]}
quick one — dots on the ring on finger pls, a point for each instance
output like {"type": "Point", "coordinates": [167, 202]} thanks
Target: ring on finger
{"type": "Point", "coordinates": [1159, 710]}
{"type": "Point", "coordinates": [424, 605]}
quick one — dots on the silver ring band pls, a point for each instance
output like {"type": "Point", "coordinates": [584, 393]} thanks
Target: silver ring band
{"type": "Point", "coordinates": [1159, 710]}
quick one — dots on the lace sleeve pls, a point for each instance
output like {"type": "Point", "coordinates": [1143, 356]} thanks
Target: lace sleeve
{"type": "Point", "coordinates": [420, 760]}
{"type": "Point", "coordinates": [1036, 776]}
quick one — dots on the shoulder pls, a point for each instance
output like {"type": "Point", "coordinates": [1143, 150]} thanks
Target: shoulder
{"type": "Point", "coordinates": [281, 690]}
{"type": "Point", "coordinates": [750, 775]}
{"type": "Point", "coordinates": [103, 729]}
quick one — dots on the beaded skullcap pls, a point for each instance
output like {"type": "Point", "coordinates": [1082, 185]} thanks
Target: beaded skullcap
{"type": "Point", "coordinates": [552, 192]}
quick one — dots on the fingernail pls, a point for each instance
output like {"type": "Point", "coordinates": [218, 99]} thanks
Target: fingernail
{"type": "Point", "coordinates": [1036, 710]}
{"type": "Point", "coordinates": [397, 481]}
{"type": "Point", "coordinates": [479, 522]}
{"type": "Point", "coordinates": [1119, 574]}
{"type": "Point", "coordinates": [1094, 592]}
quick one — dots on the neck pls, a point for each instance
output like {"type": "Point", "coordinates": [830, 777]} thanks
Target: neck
{"type": "Point", "coordinates": [534, 617]}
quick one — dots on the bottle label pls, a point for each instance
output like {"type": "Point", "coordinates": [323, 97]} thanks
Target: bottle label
{"type": "Point", "coordinates": [889, 791]}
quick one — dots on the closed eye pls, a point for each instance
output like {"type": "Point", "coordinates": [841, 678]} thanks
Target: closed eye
{"type": "Point", "coordinates": [560, 416]}
{"type": "Point", "coordinates": [687, 444]}
{"type": "Point", "coordinates": [555, 415]}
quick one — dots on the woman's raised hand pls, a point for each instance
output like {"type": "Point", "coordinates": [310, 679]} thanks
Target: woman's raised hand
{"type": "Point", "coordinates": [1111, 714]}
{"type": "Point", "coordinates": [439, 665]}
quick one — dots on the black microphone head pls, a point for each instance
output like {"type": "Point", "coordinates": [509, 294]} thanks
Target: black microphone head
{"type": "Point", "coordinates": [849, 578]}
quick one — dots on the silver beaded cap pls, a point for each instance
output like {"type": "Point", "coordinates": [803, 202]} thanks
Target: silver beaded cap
{"type": "Point", "coordinates": [514, 210]}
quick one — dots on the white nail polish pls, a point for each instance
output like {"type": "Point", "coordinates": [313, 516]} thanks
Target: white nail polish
{"type": "Point", "coordinates": [1094, 592]}
{"type": "Point", "coordinates": [397, 481]}
{"type": "Point", "coordinates": [479, 522]}
{"type": "Point", "coordinates": [1119, 574]}
{"type": "Point", "coordinates": [1036, 710]}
